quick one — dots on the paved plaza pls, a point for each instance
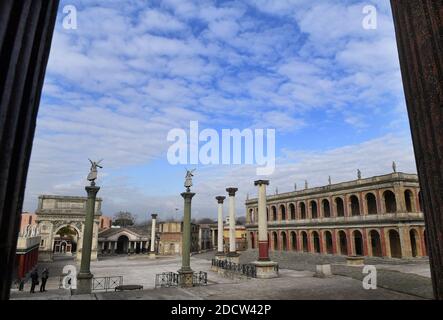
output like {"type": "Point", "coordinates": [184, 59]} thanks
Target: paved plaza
{"type": "Point", "coordinates": [397, 280]}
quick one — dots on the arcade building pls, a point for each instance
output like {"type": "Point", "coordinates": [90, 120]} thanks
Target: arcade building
{"type": "Point", "coordinates": [379, 216]}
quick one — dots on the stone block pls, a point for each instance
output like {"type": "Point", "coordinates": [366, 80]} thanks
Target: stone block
{"type": "Point", "coordinates": [323, 271]}
{"type": "Point", "coordinates": [266, 269]}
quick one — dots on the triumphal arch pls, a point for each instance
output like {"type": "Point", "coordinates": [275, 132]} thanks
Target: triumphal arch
{"type": "Point", "coordinates": [61, 224]}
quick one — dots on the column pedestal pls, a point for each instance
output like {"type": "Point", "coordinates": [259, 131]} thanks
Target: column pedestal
{"type": "Point", "coordinates": [152, 255]}
{"type": "Point", "coordinates": [220, 256]}
{"type": "Point", "coordinates": [186, 278]}
{"type": "Point", "coordinates": [266, 269]}
{"type": "Point", "coordinates": [233, 257]}
{"type": "Point", "coordinates": [84, 283]}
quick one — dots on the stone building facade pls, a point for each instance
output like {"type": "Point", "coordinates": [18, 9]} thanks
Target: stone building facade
{"type": "Point", "coordinates": [105, 223]}
{"type": "Point", "coordinates": [27, 219]}
{"type": "Point", "coordinates": [26, 256]}
{"type": "Point", "coordinates": [171, 235]}
{"type": "Point", "coordinates": [205, 237]}
{"type": "Point", "coordinates": [55, 213]}
{"type": "Point", "coordinates": [378, 216]}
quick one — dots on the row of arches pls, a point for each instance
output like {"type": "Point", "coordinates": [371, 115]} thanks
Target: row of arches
{"type": "Point", "coordinates": [352, 205]}
{"type": "Point", "coordinates": [357, 242]}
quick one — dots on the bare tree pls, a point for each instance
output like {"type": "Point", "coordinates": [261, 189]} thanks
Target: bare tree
{"type": "Point", "coordinates": [124, 219]}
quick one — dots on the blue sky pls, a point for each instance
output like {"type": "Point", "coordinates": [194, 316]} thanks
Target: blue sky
{"type": "Point", "coordinates": [133, 70]}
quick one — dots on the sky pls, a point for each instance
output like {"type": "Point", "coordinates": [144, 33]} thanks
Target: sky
{"type": "Point", "coordinates": [133, 70]}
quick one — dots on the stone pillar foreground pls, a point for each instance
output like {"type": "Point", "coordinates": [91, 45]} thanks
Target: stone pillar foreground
{"type": "Point", "coordinates": [186, 272]}
{"type": "Point", "coordinates": [265, 267]}
{"type": "Point", "coordinates": [153, 226]}
{"type": "Point", "coordinates": [419, 30]}
{"type": "Point", "coordinates": [26, 29]}
{"type": "Point", "coordinates": [220, 229]}
{"type": "Point", "coordinates": [84, 278]}
{"type": "Point", "coordinates": [232, 255]}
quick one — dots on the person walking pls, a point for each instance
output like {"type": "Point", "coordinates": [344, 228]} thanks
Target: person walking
{"type": "Point", "coordinates": [45, 276]}
{"type": "Point", "coordinates": [34, 279]}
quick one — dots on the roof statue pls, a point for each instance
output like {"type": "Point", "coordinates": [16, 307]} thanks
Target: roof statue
{"type": "Point", "coordinates": [92, 176]}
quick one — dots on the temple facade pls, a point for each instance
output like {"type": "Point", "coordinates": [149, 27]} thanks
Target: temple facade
{"type": "Point", "coordinates": [379, 216]}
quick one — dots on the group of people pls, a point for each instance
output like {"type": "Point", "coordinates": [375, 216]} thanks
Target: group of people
{"type": "Point", "coordinates": [35, 280]}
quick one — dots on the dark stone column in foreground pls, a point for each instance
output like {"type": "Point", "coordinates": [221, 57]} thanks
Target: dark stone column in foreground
{"type": "Point", "coordinates": [419, 30]}
{"type": "Point", "coordinates": [84, 278]}
{"type": "Point", "coordinates": [186, 272]}
{"type": "Point", "coordinates": [26, 29]}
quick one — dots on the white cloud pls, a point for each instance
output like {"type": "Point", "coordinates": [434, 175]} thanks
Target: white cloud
{"type": "Point", "coordinates": [131, 72]}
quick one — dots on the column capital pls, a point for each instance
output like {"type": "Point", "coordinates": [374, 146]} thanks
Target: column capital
{"type": "Point", "coordinates": [92, 190]}
{"type": "Point", "coordinates": [187, 195]}
{"type": "Point", "coordinates": [154, 216]}
{"type": "Point", "coordinates": [220, 199]}
{"type": "Point", "coordinates": [232, 191]}
{"type": "Point", "coordinates": [261, 182]}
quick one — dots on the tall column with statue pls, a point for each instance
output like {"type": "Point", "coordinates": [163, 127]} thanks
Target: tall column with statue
{"type": "Point", "coordinates": [185, 273]}
{"type": "Point", "coordinates": [84, 278]}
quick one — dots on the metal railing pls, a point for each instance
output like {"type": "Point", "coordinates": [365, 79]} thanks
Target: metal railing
{"type": "Point", "coordinates": [167, 280]}
{"type": "Point", "coordinates": [172, 279]}
{"type": "Point", "coordinates": [249, 270]}
{"type": "Point", "coordinates": [99, 283]}
{"type": "Point", "coordinates": [106, 283]}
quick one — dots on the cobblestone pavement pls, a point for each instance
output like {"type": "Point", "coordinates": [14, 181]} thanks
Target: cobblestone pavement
{"type": "Point", "coordinates": [410, 276]}
{"type": "Point", "coordinates": [291, 284]}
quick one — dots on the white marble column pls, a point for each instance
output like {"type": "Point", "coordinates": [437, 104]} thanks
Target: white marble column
{"type": "Point", "coordinates": [153, 226]}
{"type": "Point", "coordinates": [265, 268]}
{"type": "Point", "coordinates": [232, 243]}
{"type": "Point", "coordinates": [262, 221]}
{"type": "Point", "coordinates": [220, 251]}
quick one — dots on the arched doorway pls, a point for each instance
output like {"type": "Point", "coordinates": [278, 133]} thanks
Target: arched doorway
{"type": "Point", "coordinates": [328, 242]}
{"type": "Point", "coordinates": [343, 243]}
{"type": "Point", "coordinates": [371, 203]}
{"type": "Point", "coordinates": [314, 211]}
{"type": "Point", "coordinates": [390, 202]}
{"type": "Point", "coordinates": [375, 243]}
{"type": "Point", "coordinates": [316, 241]}
{"type": "Point", "coordinates": [293, 241]}
{"type": "Point", "coordinates": [409, 201]}
{"type": "Point", "coordinates": [292, 211]}
{"type": "Point", "coordinates": [275, 240]}
{"type": "Point", "coordinates": [274, 213]}
{"type": "Point", "coordinates": [122, 245]}
{"type": "Point", "coordinates": [326, 208]}
{"type": "Point", "coordinates": [340, 207]}
{"type": "Point", "coordinates": [355, 206]}
{"type": "Point", "coordinates": [394, 243]}
{"type": "Point", "coordinates": [358, 242]}
{"type": "Point", "coordinates": [305, 241]}
{"type": "Point", "coordinates": [283, 212]}
{"type": "Point", "coordinates": [65, 241]}
{"type": "Point", "coordinates": [302, 210]}
{"type": "Point", "coordinates": [284, 241]}
{"type": "Point", "coordinates": [413, 234]}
